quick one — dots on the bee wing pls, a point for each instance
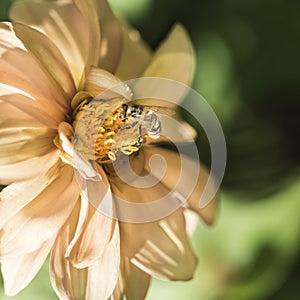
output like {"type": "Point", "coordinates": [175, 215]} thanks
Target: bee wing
{"type": "Point", "coordinates": [160, 110]}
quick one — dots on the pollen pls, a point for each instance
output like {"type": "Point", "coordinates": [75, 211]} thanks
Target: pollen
{"type": "Point", "coordinates": [107, 128]}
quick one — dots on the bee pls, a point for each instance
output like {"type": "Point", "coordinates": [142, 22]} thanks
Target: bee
{"type": "Point", "coordinates": [143, 116]}
{"type": "Point", "coordinates": [135, 110]}
{"type": "Point", "coordinates": [115, 126]}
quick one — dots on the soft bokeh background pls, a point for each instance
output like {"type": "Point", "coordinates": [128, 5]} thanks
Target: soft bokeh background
{"type": "Point", "coordinates": [248, 71]}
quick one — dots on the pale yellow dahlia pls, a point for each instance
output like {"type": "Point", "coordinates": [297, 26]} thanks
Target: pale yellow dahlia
{"type": "Point", "coordinates": [56, 58]}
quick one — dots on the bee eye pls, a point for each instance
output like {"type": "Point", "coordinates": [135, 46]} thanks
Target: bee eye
{"type": "Point", "coordinates": [123, 112]}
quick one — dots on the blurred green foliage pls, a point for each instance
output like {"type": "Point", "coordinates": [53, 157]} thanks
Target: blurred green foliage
{"type": "Point", "coordinates": [247, 69]}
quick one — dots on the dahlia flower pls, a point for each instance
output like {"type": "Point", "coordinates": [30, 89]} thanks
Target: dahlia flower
{"type": "Point", "coordinates": [64, 128]}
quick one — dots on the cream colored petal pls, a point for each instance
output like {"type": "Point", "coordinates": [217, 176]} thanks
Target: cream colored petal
{"type": "Point", "coordinates": [12, 114]}
{"type": "Point", "coordinates": [88, 9]}
{"type": "Point", "coordinates": [18, 271]}
{"type": "Point", "coordinates": [17, 195]}
{"type": "Point", "coordinates": [96, 226]}
{"type": "Point", "coordinates": [64, 142]}
{"type": "Point", "coordinates": [140, 196]}
{"type": "Point", "coordinates": [67, 281]}
{"type": "Point", "coordinates": [103, 275]}
{"type": "Point", "coordinates": [111, 37]}
{"type": "Point", "coordinates": [20, 141]}
{"type": "Point", "coordinates": [99, 81]}
{"type": "Point", "coordinates": [29, 105]}
{"type": "Point", "coordinates": [192, 178]}
{"type": "Point", "coordinates": [21, 75]}
{"type": "Point", "coordinates": [174, 59]}
{"type": "Point", "coordinates": [28, 169]}
{"type": "Point", "coordinates": [49, 58]}
{"type": "Point", "coordinates": [160, 248]}
{"type": "Point", "coordinates": [91, 240]}
{"type": "Point", "coordinates": [135, 56]}
{"type": "Point", "coordinates": [136, 282]}
{"type": "Point", "coordinates": [41, 218]}
{"type": "Point", "coordinates": [64, 24]}
{"type": "Point", "coordinates": [191, 221]}
{"type": "Point", "coordinates": [95, 282]}
{"type": "Point", "coordinates": [105, 34]}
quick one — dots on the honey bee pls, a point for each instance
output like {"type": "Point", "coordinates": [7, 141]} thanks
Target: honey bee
{"type": "Point", "coordinates": [135, 110]}
{"type": "Point", "coordinates": [115, 126]}
{"type": "Point", "coordinates": [145, 116]}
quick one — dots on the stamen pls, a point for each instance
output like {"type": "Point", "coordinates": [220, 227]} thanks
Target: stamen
{"type": "Point", "coordinates": [108, 128]}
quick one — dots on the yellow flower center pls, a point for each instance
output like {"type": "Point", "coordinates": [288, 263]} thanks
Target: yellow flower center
{"type": "Point", "coordinates": [108, 128]}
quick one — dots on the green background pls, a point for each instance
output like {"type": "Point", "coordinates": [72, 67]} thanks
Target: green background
{"type": "Point", "coordinates": [248, 71]}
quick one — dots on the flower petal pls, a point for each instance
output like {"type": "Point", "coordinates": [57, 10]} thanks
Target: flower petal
{"type": "Point", "coordinates": [18, 99]}
{"type": "Point", "coordinates": [41, 218]}
{"type": "Point", "coordinates": [191, 220]}
{"type": "Point", "coordinates": [67, 281]}
{"type": "Point", "coordinates": [93, 236]}
{"type": "Point", "coordinates": [23, 82]}
{"type": "Point", "coordinates": [10, 113]}
{"type": "Point", "coordinates": [105, 34]}
{"type": "Point", "coordinates": [189, 175]}
{"type": "Point", "coordinates": [28, 169]}
{"type": "Point", "coordinates": [133, 282]}
{"type": "Point", "coordinates": [94, 282]}
{"type": "Point", "coordinates": [17, 195]}
{"type": "Point", "coordinates": [99, 81]}
{"type": "Point", "coordinates": [49, 57]}
{"type": "Point", "coordinates": [111, 37]}
{"type": "Point", "coordinates": [63, 23]}
{"type": "Point", "coordinates": [160, 248]}
{"type": "Point", "coordinates": [19, 271]}
{"type": "Point", "coordinates": [103, 275]}
{"type": "Point", "coordinates": [89, 11]}
{"type": "Point", "coordinates": [173, 60]}
{"type": "Point", "coordinates": [20, 140]}
{"type": "Point", "coordinates": [135, 56]}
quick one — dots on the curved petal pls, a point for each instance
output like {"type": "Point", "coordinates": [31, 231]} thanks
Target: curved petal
{"type": "Point", "coordinates": [12, 114]}
{"type": "Point", "coordinates": [28, 169]}
{"type": "Point", "coordinates": [19, 271]}
{"type": "Point", "coordinates": [41, 218]}
{"type": "Point", "coordinates": [63, 23]}
{"type": "Point", "coordinates": [160, 248]}
{"type": "Point", "coordinates": [29, 105]}
{"type": "Point", "coordinates": [137, 282]}
{"type": "Point", "coordinates": [67, 281]}
{"type": "Point", "coordinates": [23, 82]}
{"type": "Point", "coordinates": [174, 59]}
{"type": "Point", "coordinates": [93, 236]}
{"type": "Point", "coordinates": [135, 57]}
{"type": "Point", "coordinates": [88, 9]}
{"type": "Point", "coordinates": [191, 220]}
{"type": "Point", "coordinates": [190, 174]}
{"type": "Point", "coordinates": [103, 275]}
{"type": "Point", "coordinates": [94, 282]}
{"type": "Point", "coordinates": [50, 59]}
{"type": "Point", "coordinates": [20, 141]}
{"type": "Point", "coordinates": [99, 81]}
{"type": "Point", "coordinates": [111, 37]}
{"type": "Point", "coordinates": [133, 282]}
{"type": "Point", "coordinates": [17, 195]}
